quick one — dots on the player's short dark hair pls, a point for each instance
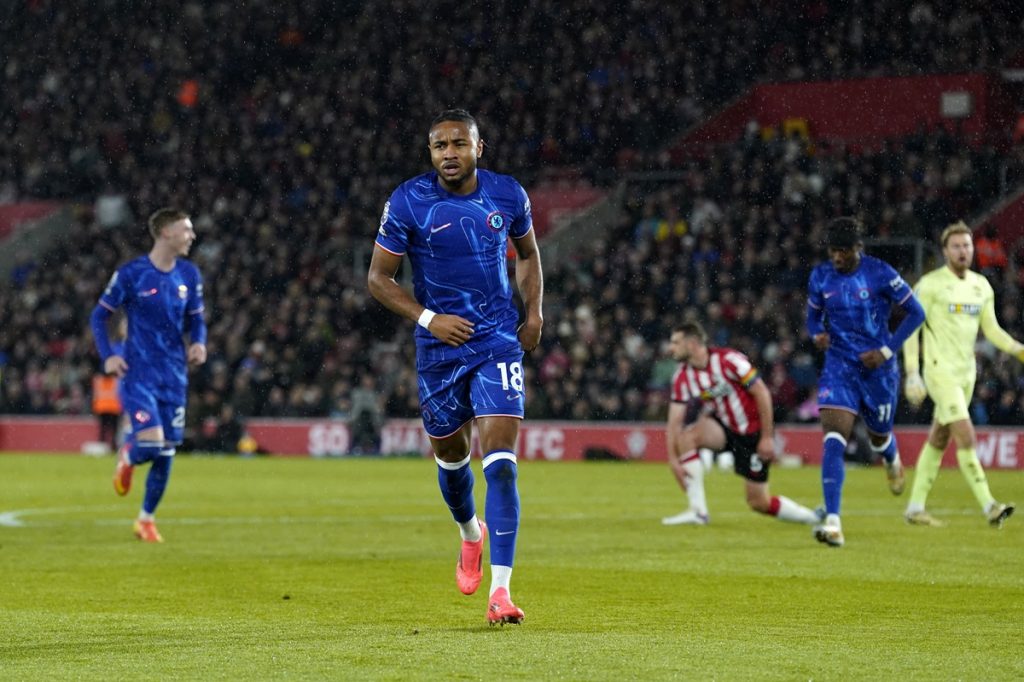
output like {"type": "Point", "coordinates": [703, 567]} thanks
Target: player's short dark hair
{"type": "Point", "coordinates": [164, 216]}
{"type": "Point", "coordinates": [843, 233]}
{"type": "Point", "coordinates": [693, 330]}
{"type": "Point", "coordinates": [458, 115]}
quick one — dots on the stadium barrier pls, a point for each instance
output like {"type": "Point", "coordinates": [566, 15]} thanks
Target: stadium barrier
{"type": "Point", "coordinates": [998, 448]}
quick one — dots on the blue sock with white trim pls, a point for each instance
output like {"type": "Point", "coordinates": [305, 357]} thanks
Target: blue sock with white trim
{"type": "Point", "coordinates": [502, 510]}
{"type": "Point", "coordinates": [833, 471]}
{"type": "Point", "coordinates": [143, 451]}
{"type": "Point", "coordinates": [156, 480]}
{"type": "Point", "coordinates": [456, 482]}
{"type": "Point", "coordinates": [887, 449]}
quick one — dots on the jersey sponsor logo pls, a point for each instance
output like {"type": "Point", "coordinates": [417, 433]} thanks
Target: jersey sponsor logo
{"type": "Point", "coordinates": [384, 217]}
{"type": "Point", "coordinates": [972, 309]}
{"type": "Point", "coordinates": [896, 282]}
{"type": "Point", "coordinates": [110, 285]}
{"type": "Point", "coordinates": [141, 416]}
{"type": "Point", "coordinates": [438, 228]}
{"type": "Point", "coordinates": [495, 220]}
{"type": "Point", "coordinates": [182, 291]}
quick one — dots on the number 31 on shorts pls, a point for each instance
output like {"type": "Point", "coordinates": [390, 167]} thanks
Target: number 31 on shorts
{"type": "Point", "coordinates": [511, 375]}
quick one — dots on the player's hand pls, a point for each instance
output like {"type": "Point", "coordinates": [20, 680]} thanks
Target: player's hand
{"type": "Point", "coordinates": [115, 365]}
{"type": "Point", "coordinates": [873, 358]}
{"type": "Point", "coordinates": [766, 448]}
{"type": "Point", "coordinates": [822, 341]}
{"type": "Point", "coordinates": [914, 389]}
{"type": "Point", "coordinates": [196, 354]}
{"type": "Point", "coordinates": [529, 332]}
{"type": "Point", "coordinates": [451, 329]}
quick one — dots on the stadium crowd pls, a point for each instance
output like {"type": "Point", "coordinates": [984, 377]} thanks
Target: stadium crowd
{"type": "Point", "coordinates": [283, 136]}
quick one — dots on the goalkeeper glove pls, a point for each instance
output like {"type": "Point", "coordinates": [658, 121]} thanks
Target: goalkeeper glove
{"type": "Point", "coordinates": [914, 389]}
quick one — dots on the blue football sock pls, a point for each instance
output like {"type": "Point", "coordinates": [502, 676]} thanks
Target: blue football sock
{"type": "Point", "coordinates": [156, 481]}
{"type": "Point", "coordinates": [502, 505]}
{"type": "Point", "coordinates": [143, 451]}
{"type": "Point", "coordinates": [887, 450]}
{"type": "Point", "coordinates": [456, 482]}
{"type": "Point", "coordinates": [833, 471]}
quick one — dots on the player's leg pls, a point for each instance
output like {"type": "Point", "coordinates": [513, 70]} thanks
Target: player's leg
{"type": "Point", "coordinates": [455, 480]}
{"type": "Point", "coordinates": [974, 473]}
{"type": "Point", "coordinates": [926, 470]}
{"type": "Point", "coordinates": [755, 472]}
{"type": "Point", "coordinates": [498, 397]}
{"type": "Point", "coordinates": [837, 425]}
{"type": "Point", "coordinates": [167, 435]}
{"type": "Point", "coordinates": [498, 437]}
{"type": "Point", "coordinates": [447, 419]}
{"type": "Point", "coordinates": [144, 439]}
{"type": "Point", "coordinates": [880, 392]}
{"type": "Point", "coordinates": [708, 433]}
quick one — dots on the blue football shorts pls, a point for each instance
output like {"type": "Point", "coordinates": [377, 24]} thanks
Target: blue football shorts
{"type": "Point", "coordinates": [871, 393]}
{"type": "Point", "coordinates": [490, 384]}
{"type": "Point", "coordinates": [147, 411]}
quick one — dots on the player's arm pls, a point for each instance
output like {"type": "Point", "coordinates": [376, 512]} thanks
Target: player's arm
{"type": "Point", "coordinates": [196, 324]}
{"type": "Point", "coordinates": [914, 388]}
{"type": "Point", "coordinates": [113, 297]}
{"type": "Point", "coordinates": [913, 319]}
{"type": "Point", "coordinates": [763, 399]}
{"type": "Point", "coordinates": [530, 280]}
{"type": "Point", "coordinates": [998, 336]}
{"type": "Point", "coordinates": [112, 362]}
{"type": "Point", "coordinates": [674, 428]}
{"type": "Point", "coordinates": [816, 315]}
{"type": "Point", "coordinates": [450, 329]}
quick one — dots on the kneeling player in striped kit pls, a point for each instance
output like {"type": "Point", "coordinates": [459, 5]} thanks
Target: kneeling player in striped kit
{"type": "Point", "coordinates": [734, 413]}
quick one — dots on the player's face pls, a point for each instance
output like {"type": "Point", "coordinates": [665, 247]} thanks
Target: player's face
{"type": "Point", "coordinates": [678, 348]}
{"type": "Point", "coordinates": [845, 259]}
{"type": "Point", "coordinates": [959, 252]}
{"type": "Point", "coordinates": [179, 236]}
{"type": "Point", "coordinates": [454, 149]}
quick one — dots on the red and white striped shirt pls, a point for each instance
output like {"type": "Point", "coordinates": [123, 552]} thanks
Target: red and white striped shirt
{"type": "Point", "coordinates": [724, 383]}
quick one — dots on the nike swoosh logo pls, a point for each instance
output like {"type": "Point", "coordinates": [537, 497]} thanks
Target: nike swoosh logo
{"type": "Point", "coordinates": [829, 294]}
{"type": "Point", "coordinates": [146, 294]}
{"type": "Point", "coordinates": [504, 532]}
{"type": "Point", "coordinates": [435, 230]}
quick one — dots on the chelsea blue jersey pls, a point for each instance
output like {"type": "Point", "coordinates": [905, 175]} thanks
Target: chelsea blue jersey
{"type": "Point", "coordinates": [159, 307]}
{"type": "Point", "coordinates": [854, 308]}
{"type": "Point", "coordinates": [457, 247]}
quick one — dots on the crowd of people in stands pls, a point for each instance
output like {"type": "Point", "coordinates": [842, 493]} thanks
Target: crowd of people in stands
{"type": "Point", "coordinates": [284, 130]}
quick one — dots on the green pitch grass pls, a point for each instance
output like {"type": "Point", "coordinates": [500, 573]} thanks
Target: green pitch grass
{"type": "Point", "coordinates": [312, 569]}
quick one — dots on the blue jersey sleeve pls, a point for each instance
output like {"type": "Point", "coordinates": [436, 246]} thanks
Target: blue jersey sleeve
{"type": "Point", "coordinates": [116, 293]}
{"type": "Point", "coordinates": [815, 305]}
{"type": "Point", "coordinates": [523, 222]}
{"type": "Point", "coordinates": [393, 234]}
{"type": "Point", "coordinates": [896, 288]}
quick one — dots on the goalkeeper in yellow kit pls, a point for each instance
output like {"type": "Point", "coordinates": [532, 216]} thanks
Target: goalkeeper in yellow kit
{"type": "Point", "coordinates": [956, 302]}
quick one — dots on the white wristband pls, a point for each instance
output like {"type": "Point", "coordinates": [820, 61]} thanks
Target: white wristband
{"type": "Point", "coordinates": [425, 317]}
{"type": "Point", "coordinates": [886, 352]}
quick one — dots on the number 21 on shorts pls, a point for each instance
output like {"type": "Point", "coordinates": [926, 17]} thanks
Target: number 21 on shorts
{"type": "Point", "coordinates": [511, 375]}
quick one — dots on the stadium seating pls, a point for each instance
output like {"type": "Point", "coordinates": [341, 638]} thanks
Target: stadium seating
{"type": "Point", "coordinates": [284, 133]}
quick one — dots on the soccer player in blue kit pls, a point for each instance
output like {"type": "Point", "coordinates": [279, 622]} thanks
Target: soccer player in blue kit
{"type": "Point", "coordinates": [850, 298]}
{"type": "Point", "coordinates": [162, 297]}
{"type": "Point", "coordinates": [453, 223]}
